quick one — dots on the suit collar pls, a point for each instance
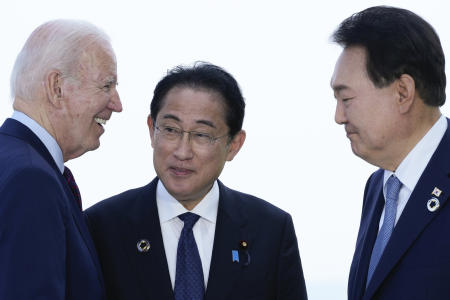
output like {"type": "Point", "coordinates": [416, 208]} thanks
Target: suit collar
{"type": "Point", "coordinates": [44, 136]}
{"type": "Point", "coordinates": [15, 128]}
{"type": "Point", "coordinates": [416, 216]}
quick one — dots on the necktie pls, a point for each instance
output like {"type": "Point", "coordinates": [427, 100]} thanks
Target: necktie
{"type": "Point", "coordinates": [189, 282]}
{"type": "Point", "coordinates": [73, 185]}
{"type": "Point", "coordinates": [393, 186]}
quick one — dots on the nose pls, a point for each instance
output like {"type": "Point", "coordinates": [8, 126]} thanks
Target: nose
{"type": "Point", "coordinates": [183, 149]}
{"type": "Point", "coordinates": [339, 116]}
{"type": "Point", "coordinates": [115, 104]}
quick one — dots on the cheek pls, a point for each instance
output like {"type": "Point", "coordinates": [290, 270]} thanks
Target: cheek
{"type": "Point", "coordinates": [214, 161]}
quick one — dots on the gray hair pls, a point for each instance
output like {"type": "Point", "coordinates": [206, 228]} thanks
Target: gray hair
{"type": "Point", "coordinates": [57, 44]}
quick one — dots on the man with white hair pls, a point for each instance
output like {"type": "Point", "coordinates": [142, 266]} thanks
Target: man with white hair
{"type": "Point", "coordinates": [64, 90]}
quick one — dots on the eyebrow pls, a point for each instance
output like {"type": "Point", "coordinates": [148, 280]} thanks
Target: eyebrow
{"type": "Point", "coordinates": [207, 123]}
{"type": "Point", "coordinates": [170, 116]}
{"type": "Point", "coordinates": [204, 122]}
{"type": "Point", "coordinates": [110, 79]}
{"type": "Point", "coordinates": [339, 87]}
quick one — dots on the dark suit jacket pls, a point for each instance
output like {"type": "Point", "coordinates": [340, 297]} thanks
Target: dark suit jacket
{"type": "Point", "coordinates": [45, 248]}
{"type": "Point", "coordinates": [416, 261]}
{"type": "Point", "coordinates": [272, 269]}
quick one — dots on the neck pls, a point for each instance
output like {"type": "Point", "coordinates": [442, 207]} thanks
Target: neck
{"type": "Point", "coordinates": [416, 129]}
{"type": "Point", "coordinates": [36, 110]}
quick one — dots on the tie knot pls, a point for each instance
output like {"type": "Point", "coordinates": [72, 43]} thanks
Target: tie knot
{"type": "Point", "coordinates": [393, 186]}
{"type": "Point", "coordinates": [189, 220]}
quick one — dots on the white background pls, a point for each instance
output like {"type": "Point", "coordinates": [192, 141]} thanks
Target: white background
{"type": "Point", "coordinates": [295, 156]}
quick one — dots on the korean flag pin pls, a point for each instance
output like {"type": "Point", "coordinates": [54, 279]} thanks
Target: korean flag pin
{"type": "Point", "coordinates": [433, 204]}
{"type": "Point", "coordinates": [436, 192]}
{"type": "Point", "coordinates": [143, 246]}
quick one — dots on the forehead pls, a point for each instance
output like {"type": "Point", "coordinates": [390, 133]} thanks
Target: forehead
{"type": "Point", "coordinates": [193, 104]}
{"type": "Point", "coordinates": [350, 69]}
{"type": "Point", "coordinates": [98, 61]}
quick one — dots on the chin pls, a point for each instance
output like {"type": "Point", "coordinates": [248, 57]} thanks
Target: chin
{"type": "Point", "coordinates": [94, 145]}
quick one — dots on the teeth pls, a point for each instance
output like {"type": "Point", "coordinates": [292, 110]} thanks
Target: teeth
{"type": "Point", "coordinates": [100, 121]}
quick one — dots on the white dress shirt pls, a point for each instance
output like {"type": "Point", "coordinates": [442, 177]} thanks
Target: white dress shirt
{"type": "Point", "coordinates": [412, 167]}
{"type": "Point", "coordinates": [45, 137]}
{"type": "Point", "coordinates": [169, 209]}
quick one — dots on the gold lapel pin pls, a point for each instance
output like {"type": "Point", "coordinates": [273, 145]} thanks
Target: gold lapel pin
{"type": "Point", "coordinates": [243, 245]}
{"type": "Point", "coordinates": [433, 204]}
{"type": "Point", "coordinates": [436, 192]}
{"type": "Point", "coordinates": [143, 245]}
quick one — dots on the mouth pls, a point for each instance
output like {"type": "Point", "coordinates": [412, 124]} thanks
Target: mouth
{"type": "Point", "coordinates": [100, 121]}
{"type": "Point", "coordinates": [181, 171]}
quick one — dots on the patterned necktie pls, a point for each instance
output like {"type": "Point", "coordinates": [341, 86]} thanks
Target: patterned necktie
{"type": "Point", "coordinates": [189, 282]}
{"type": "Point", "coordinates": [73, 185]}
{"type": "Point", "coordinates": [393, 186]}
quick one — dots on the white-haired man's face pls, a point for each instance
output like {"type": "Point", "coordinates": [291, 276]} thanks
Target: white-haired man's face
{"type": "Point", "coordinates": [88, 102]}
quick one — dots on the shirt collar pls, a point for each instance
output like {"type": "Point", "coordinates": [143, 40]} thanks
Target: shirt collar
{"type": "Point", "coordinates": [45, 137]}
{"type": "Point", "coordinates": [169, 207]}
{"type": "Point", "coordinates": [412, 167]}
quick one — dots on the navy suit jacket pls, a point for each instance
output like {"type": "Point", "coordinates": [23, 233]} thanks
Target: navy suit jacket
{"type": "Point", "coordinates": [416, 261]}
{"type": "Point", "coordinates": [269, 269]}
{"type": "Point", "coordinates": [45, 248]}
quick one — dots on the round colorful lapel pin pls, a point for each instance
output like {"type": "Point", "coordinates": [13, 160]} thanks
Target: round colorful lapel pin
{"type": "Point", "coordinates": [143, 245]}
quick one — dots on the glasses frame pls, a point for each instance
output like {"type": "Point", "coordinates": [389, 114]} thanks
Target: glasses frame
{"type": "Point", "coordinates": [181, 132]}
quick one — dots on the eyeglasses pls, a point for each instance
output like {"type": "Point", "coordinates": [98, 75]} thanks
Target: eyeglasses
{"type": "Point", "coordinates": [198, 138]}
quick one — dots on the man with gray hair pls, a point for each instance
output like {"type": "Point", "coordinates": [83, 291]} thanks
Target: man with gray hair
{"type": "Point", "coordinates": [64, 90]}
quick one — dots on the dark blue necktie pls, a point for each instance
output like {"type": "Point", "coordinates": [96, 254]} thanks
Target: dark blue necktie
{"type": "Point", "coordinates": [393, 186]}
{"type": "Point", "coordinates": [189, 282]}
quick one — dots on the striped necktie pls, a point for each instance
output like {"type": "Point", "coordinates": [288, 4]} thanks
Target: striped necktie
{"type": "Point", "coordinates": [73, 186]}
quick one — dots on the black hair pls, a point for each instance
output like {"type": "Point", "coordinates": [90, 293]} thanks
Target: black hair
{"type": "Point", "coordinates": [204, 76]}
{"type": "Point", "coordinates": [397, 41]}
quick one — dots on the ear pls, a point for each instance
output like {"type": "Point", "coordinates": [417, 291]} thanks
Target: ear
{"type": "Point", "coordinates": [235, 145]}
{"type": "Point", "coordinates": [53, 87]}
{"type": "Point", "coordinates": [406, 88]}
{"type": "Point", "coordinates": [151, 128]}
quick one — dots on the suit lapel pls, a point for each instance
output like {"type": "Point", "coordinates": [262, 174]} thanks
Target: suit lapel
{"type": "Point", "coordinates": [375, 202]}
{"type": "Point", "coordinates": [230, 231]}
{"type": "Point", "coordinates": [150, 267]}
{"type": "Point", "coordinates": [416, 216]}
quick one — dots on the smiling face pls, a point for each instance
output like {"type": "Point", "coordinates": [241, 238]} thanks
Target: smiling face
{"type": "Point", "coordinates": [186, 169]}
{"type": "Point", "coordinates": [87, 102]}
{"type": "Point", "coordinates": [369, 114]}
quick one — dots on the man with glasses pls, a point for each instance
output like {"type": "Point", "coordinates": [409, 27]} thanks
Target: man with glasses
{"type": "Point", "coordinates": [186, 235]}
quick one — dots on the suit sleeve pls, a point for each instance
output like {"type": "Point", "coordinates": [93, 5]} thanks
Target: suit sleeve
{"type": "Point", "coordinates": [32, 237]}
{"type": "Point", "coordinates": [291, 283]}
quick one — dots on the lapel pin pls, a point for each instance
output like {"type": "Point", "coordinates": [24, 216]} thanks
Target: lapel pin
{"type": "Point", "coordinates": [433, 204]}
{"type": "Point", "coordinates": [436, 192]}
{"type": "Point", "coordinates": [243, 245]}
{"type": "Point", "coordinates": [143, 245]}
{"type": "Point", "coordinates": [235, 255]}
